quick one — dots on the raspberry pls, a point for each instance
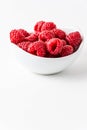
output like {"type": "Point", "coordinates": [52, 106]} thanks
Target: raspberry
{"type": "Point", "coordinates": [48, 26]}
{"type": "Point", "coordinates": [37, 48]}
{"type": "Point", "coordinates": [59, 33]}
{"type": "Point", "coordinates": [24, 45]}
{"type": "Point", "coordinates": [64, 42]}
{"type": "Point", "coordinates": [54, 46]}
{"type": "Point", "coordinates": [74, 39]}
{"type": "Point", "coordinates": [46, 35]}
{"type": "Point", "coordinates": [24, 32]}
{"type": "Point", "coordinates": [16, 36]}
{"type": "Point", "coordinates": [47, 40]}
{"type": "Point", "coordinates": [37, 34]}
{"type": "Point", "coordinates": [38, 26]}
{"type": "Point", "coordinates": [48, 55]}
{"type": "Point", "coordinates": [32, 38]}
{"type": "Point", "coordinates": [66, 50]}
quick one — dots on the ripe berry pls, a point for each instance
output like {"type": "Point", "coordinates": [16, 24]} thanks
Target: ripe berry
{"type": "Point", "coordinates": [64, 42]}
{"type": "Point", "coordinates": [38, 26]}
{"type": "Point", "coordinates": [46, 35]}
{"type": "Point", "coordinates": [23, 45]}
{"type": "Point", "coordinates": [66, 50]}
{"type": "Point", "coordinates": [59, 33]}
{"type": "Point", "coordinates": [54, 46]}
{"type": "Point", "coordinates": [46, 40]}
{"type": "Point", "coordinates": [32, 38]}
{"type": "Point", "coordinates": [74, 39]}
{"type": "Point", "coordinates": [48, 26]}
{"type": "Point", "coordinates": [37, 48]}
{"type": "Point", "coordinates": [16, 36]}
{"type": "Point", "coordinates": [24, 32]}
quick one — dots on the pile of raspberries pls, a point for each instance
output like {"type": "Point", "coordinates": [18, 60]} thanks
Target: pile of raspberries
{"type": "Point", "coordinates": [47, 40]}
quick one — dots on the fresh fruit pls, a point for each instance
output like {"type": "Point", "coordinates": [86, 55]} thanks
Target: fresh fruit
{"type": "Point", "coordinates": [32, 38]}
{"type": "Point", "coordinates": [64, 42]}
{"type": "Point", "coordinates": [74, 39]}
{"type": "Point", "coordinates": [46, 35]}
{"type": "Point", "coordinates": [59, 33]}
{"type": "Point", "coordinates": [54, 46]}
{"type": "Point", "coordinates": [66, 50]}
{"type": "Point", "coordinates": [24, 32]}
{"type": "Point", "coordinates": [16, 36]}
{"type": "Point", "coordinates": [38, 26]}
{"type": "Point", "coordinates": [37, 48]}
{"type": "Point", "coordinates": [47, 40]}
{"type": "Point", "coordinates": [48, 26]}
{"type": "Point", "coordinates": [24, 45]}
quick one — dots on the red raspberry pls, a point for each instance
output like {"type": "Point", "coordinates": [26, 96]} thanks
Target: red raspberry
{"type": "Point", "coordinates": [32, 38]}
{"type": "Point", "coordinates": [46, 35]}
{"type": "Point", "coordinates": [16, 36]}
{"type": "Point", "coordinates": [64, 42]}
{"type": "Point", "coordinates": [66, 50]}
{"type": "Point", "coordinates": [74, 39]}
{"type": "Point", "coordinates": [48, 26]}
{"type": "Point", "coordinates": [54, 46]}
{"type": "Point", "coordinates": [37, 48]}
{"type": "Point", "coordinates": [24, 45]}
{"type": "Point", "coordinates": [38, 26]}
{"type": "Point", "coordinates": [48, 55]}
{"type": "Point", "coordinates": [24, 32]}
{"type": "Point", "coordinates": [37, 34]}
{"type": "Point", "coordinates": [59, 33]}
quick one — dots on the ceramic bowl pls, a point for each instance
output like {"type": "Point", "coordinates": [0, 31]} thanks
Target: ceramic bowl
{"type": "Point", "coordinates": [42, 65]}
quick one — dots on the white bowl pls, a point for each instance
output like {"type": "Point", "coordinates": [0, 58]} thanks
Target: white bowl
{"type": "Point", "coordinates": [43, 65]}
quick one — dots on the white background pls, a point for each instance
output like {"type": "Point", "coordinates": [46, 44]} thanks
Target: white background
{"type": "Point", "coordinates": [33, 102]}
